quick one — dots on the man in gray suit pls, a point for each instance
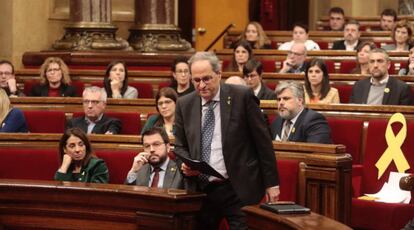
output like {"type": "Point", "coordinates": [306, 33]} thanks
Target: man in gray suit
{"type": "Point", "coordinates": [153, 168]}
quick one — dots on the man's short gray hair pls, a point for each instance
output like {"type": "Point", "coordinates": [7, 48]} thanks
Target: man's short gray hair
{"type": "Point", "coordinates": [206, 56]}
{"type": "Point", "coordinates": [294, 86]}
{"type": "Point", "coordinates": [380, 50]}
{"type": "Point", "coordinates": [95, 89]}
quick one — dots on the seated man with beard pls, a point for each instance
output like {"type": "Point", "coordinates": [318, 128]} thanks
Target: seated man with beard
{"type": "Point", "coordinates": [295, 122]}
{"type": "Point", "coordinates": [153, 167]}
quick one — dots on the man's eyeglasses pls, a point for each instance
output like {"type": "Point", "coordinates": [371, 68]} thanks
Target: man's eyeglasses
{"type": "Point", "coordinates": [184, 72]}
{"type": "Point", "coordinates": [290, 53]}
{"type": "Point", "coordinates": [93, 102]}
{"type": "Point", "coordinates": [155, 145]}
{"type": "Point", "coordinates": [205, 79]}
{"type": "Point", "coordinates": [53, 70]}
{"type": "Point", "coordinates": [7, 74]}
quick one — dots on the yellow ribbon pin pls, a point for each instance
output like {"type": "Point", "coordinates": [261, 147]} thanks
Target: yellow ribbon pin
{"type": "Point", "coordinates": [394, 152]}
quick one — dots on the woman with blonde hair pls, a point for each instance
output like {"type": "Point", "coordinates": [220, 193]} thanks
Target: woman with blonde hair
{"type": "Point", "coordinates": [54, 80]}
{"type": "Point", "coordinates": [11, 119]}
{"type": "Point", "coordinates": [255, 35]}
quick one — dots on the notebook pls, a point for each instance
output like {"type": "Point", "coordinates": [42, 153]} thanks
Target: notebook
{"type": "Point", "coordinates": [285, 208]}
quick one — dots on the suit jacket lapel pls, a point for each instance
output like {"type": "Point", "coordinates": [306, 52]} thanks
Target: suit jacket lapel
{"type": "Point", "coordinates": [225, 110]}
{"type": "Point", "coordinates": [293, 134]}
{"type": "Point", "coordinates": [367, 85]}
{"type": "Point", "coordinates": [169, 175]}
{"type": "Point", "coordinates": [386, 97]}
{"type": "Point", "coordinates": [195, 125]}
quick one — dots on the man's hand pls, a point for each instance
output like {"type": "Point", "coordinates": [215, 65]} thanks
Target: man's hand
{"type": "Point", "coordinates": [188, 171]}
{"type": "Point", "coordinates": [11, 82]}
{"type": "Point", "coordinates": [287, 65]}
{"type": "Point", "coordinates": [272, 194]}
{"type": "Point", "coordinates": [140, 160]}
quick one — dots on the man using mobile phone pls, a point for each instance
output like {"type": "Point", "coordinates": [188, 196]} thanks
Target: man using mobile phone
{"type": "Point", "coordinates": [153, 167]}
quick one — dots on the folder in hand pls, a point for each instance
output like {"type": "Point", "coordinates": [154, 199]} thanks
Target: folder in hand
{"type": "Point", "coordinates": [201, 166]}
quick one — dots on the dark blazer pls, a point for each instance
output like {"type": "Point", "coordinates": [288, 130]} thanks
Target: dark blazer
{"type": "Point", "coordinates": [265, 93]}
{"type": "Point", "coordinates": [43, 90]}
{"type": "Point", "coordinates": [340, 45]}
{"type": "Point", "coordinates": [310, 127]}
{"type": "Point", "coordinates": [172, 178]}
{"type": "Point", "coordinates": [399, 92]}
{"type": "Point", "coordinates": [102, 126]}
{"type": "Point", "coordinates": [247, 146]}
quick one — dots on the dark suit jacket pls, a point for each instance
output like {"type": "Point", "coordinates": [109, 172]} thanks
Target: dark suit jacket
{"type": "Point", "coordinates": [247, 147]}
{"type": "Point", "coordinates": [102, 126]}
{"type": "Point", "coordinates": [265, 93]}
{"type": "Point", "coordinates": [399, 92]}
{"type": "Point", "coordinates": [43, 90]}
{"type": "Point", "coordinates": [340, 45]}
{"type": "Point", "coordinates": [310, 127]}
{"type": "Point", "coordinates": [172, 178]}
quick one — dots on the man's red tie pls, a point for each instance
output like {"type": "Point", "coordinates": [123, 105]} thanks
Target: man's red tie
{"type": "Point", "coordinates": [156, 178]}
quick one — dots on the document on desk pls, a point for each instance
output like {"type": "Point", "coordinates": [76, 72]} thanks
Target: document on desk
{"type": "Point", "coordinates": [201, 166]}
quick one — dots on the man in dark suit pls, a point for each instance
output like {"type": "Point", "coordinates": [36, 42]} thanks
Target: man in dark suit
{"type": "Point", "coordinates": [351, 37]}
{"type": "Point", "coordinates": [295, 122]}
{"type": "Point", "coordinates": [222, 125]}
{"type": "Point", "coordinates": [94, 120]}
{"type": "Point", "coordinates": [380, 88]}
{"type": "Point", "coordinates": [153, 167]}
{"type": "Point", "coordinates": [252, 73]}
{"type": "Point", "coordinates": [8, 79]}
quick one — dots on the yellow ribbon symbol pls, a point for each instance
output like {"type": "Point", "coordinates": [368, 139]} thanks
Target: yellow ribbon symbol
{"type": "Point", "coordinates": [394, 152]}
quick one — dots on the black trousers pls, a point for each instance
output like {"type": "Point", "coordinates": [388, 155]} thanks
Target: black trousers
{"type": "Point", "coordinates": [221, 202]}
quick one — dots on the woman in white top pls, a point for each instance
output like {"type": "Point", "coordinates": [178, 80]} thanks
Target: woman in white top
{"type": "Point", "coordinates": [116, 81]}
{"type": "Point", "coordinates": [300, 34]}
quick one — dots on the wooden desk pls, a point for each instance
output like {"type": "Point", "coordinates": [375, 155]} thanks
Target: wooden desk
{"type": "Point", "coordinates": [28, 204]}
{"type": "Point", "coordinates": [260, 219]}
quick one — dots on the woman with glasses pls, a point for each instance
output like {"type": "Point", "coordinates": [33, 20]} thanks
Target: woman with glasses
{"type": "Point", "coordinates": [317, 87]}
{"type": "Point", "coordinates": [242, 52]}
{"type": "Point", "coordinates": [181, 81]}
{"type": "Point", "coordinates": [116, 81]}
{"type": "Point", "coordinates": [165, 103]}
{"type": "Point", "coordinates": [54, 80]}
{"type": "Point", "coordinates": [11, 119]}
{"type": "Point", "coordinates": [78, 162]}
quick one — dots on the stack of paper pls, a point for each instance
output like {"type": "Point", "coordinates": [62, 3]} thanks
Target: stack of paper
{"type": "Point", "coordinates": [391, 192]}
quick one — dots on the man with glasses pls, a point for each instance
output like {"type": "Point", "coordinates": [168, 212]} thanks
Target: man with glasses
{"type": "Point", "coordinates": [222, 125]}
{"type": "Point", "coordinates": [153, 167]}
{"type": "Point", "coordinates": [94, 120]}
{"type": "Point", "coordinates": [295, 60]}
{"type": "Point", "coordinates": [252, 73]}
{"type": "Point", "coordinates": [380, 88]}
{"type": "Point", "coordinates": [8, 80]}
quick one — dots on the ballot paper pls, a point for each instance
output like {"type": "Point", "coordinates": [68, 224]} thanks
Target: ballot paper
{"type": "Point", "coordinates": [391, 192]}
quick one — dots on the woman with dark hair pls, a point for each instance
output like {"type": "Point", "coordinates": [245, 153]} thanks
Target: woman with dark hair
{"type": "Point", "coordinates": [116, 81]}
{"type": "Point", "coordinates": [54, 80]}
{"type": "Point", "coordinates": [401, 35]}
{"type": "Point", "coordinates": [409, 70]}
{"type": "Point", "coordinates": [165, 101]}
{"type": "Point", "coordinates": [362, 57]}
{"type": "Point", "coordinates": [242, 52]}
{"type": "Point", "coordinates": [317, 87]}
{"type": "Point", "coordinates": [181, 82]}
{"type": "Point", "coordinates": [78, 163]}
